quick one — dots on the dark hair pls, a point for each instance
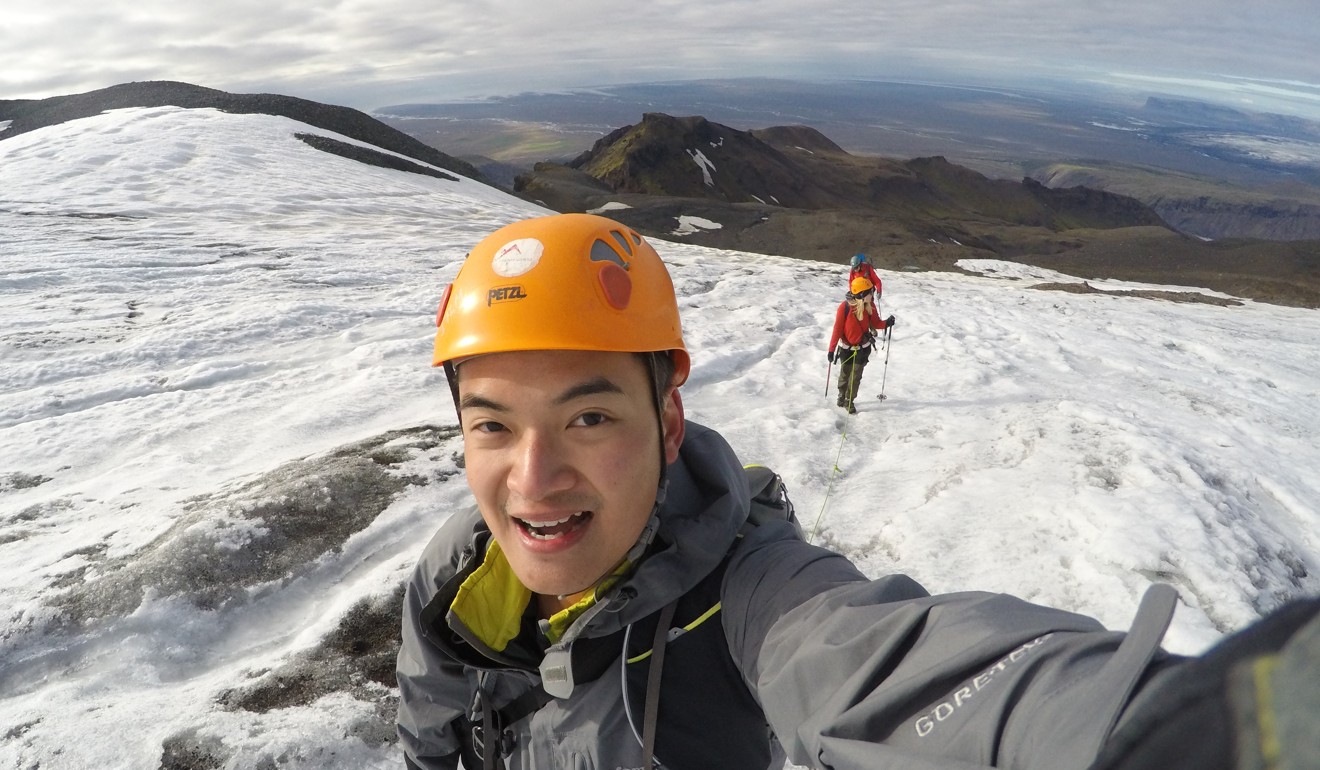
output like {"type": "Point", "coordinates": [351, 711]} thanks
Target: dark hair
{"type": "Point", "coordinates": [660, 365]}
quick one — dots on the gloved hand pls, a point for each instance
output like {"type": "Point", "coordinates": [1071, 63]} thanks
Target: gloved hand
{"type": "Point", "coordinates": [830, 355]}
{"type": "Point", "coordinates": [890, 321]}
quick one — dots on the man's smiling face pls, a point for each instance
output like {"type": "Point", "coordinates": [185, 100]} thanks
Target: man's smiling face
{"type": "Point", "coordinates": [563, 457]}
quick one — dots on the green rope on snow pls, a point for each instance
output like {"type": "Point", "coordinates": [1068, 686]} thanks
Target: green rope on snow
{"type": "Point", "coordinates": [843, 438]}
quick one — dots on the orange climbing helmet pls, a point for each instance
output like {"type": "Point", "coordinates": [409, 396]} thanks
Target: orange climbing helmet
{"type": "Point", "coordinates": [860, 286]}
{"type": "Point", "coordinates": [561, 282]}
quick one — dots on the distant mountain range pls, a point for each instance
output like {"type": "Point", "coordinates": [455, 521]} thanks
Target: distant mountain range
{"type": "Point", "coordinates": [791, 190]}
{"type": "Point", "coordinates": [767, 187]}
{"type": "Point", "coordinates": [797, 167]}
{"type": "Point", "coordinates": [1208, 171]}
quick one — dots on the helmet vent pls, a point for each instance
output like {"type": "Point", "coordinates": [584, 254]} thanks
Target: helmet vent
{"type": "Point", "coordinates": [627, 247]}
{"type": "Point", "coordinates": [603, 252]}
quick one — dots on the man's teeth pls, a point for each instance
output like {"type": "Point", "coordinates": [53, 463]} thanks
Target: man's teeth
{"type": "Point", "coordinates": [564, 520]}
{"type": "Point", "coordinates": [533, 526]}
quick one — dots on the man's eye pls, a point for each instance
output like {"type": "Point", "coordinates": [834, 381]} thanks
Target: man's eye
{"type": "Point", "coordinates": [591, 419]}
{"type": "Point", "coordinates": [488, 426]}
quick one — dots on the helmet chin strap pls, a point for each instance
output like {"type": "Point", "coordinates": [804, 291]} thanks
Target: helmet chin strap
{"type": "Point", "coordinates": [638, 549]}
{"type": "Point", "coordinates": [662, 486]}
{"type": "Point", "coordinates": [647, 535]}
{"type": "Point", "coordinates": [451, 375]}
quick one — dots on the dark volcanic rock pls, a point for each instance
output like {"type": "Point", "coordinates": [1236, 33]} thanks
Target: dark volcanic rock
{"type": "Point", "coordinates": [694, 158]}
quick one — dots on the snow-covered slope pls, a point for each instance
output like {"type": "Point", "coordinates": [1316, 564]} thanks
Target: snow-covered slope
{"type": "Point", "coordinates": [220, 438]}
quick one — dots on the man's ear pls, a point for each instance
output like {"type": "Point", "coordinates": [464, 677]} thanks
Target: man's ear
{"type": "Point", "coordinates": [671, 419]}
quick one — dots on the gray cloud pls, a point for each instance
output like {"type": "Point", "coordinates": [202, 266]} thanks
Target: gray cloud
{"type": "Point", "coordinates": [367, 54]}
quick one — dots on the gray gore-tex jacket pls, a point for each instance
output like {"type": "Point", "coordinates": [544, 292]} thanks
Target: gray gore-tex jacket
{"type": "Point", "coordinates": [802, 650]}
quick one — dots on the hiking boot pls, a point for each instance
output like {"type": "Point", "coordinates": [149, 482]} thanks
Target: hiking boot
{"type": "Point", "coordinates": [841, 401]}
{"type": "Point", "coordinates": [851, 409]}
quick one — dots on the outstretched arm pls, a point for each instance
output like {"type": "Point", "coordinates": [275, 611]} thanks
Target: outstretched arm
{"type": "Point", "coordinates": [877, 674]}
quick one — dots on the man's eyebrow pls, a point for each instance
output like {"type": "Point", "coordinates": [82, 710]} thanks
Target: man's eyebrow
{"type": "Point", "coordinates": [480, 402]}
{"type": "Point", "coordinates": [592, 387]}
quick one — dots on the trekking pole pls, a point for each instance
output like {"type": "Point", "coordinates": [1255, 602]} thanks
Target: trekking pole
{"type": "Point", "coordinates": [828, 369]}
{"type": "Point", "coordinates": [885, 372]}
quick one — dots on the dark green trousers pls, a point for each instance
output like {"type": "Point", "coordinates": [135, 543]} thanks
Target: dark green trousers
{"type": "Point", "coordinates": [851, 365]}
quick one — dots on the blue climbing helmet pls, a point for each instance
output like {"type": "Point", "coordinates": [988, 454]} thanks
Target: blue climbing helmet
{"type": "Point", "coordinates": [857, 259]}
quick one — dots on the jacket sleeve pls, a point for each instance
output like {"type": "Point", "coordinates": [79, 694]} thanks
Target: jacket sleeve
{"type": "Point", "coordinates": [874, 320]}
{"type": "Point", "coordinates": [877, 674]}
{"type": "Point", "coordinates": [433, 689]}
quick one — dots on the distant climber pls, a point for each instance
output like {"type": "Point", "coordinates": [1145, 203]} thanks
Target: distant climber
{"type": "Point", "coordinates": [855, 323]}
{"type": "Point", "coordinates": [860, 267]}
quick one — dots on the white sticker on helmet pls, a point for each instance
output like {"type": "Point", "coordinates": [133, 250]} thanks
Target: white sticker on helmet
{"type": "Point", "coordinates": [517, 257]}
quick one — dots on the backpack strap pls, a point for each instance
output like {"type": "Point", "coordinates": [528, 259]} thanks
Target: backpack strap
{"type": "Point", "coordinates": [652, 713]}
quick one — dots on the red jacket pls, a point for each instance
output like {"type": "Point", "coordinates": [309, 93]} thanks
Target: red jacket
{"type": "Point", "coordinates": [866, 271]}
{"type": "Point", "coordinates": [849, 330]}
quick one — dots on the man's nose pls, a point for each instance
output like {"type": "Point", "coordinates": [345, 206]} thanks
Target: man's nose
{"type": "Point", "coordinates": [540, 468]}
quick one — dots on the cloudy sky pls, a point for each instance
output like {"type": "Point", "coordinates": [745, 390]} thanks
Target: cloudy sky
{"type": "Point", "coordinates": [371, 53]}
